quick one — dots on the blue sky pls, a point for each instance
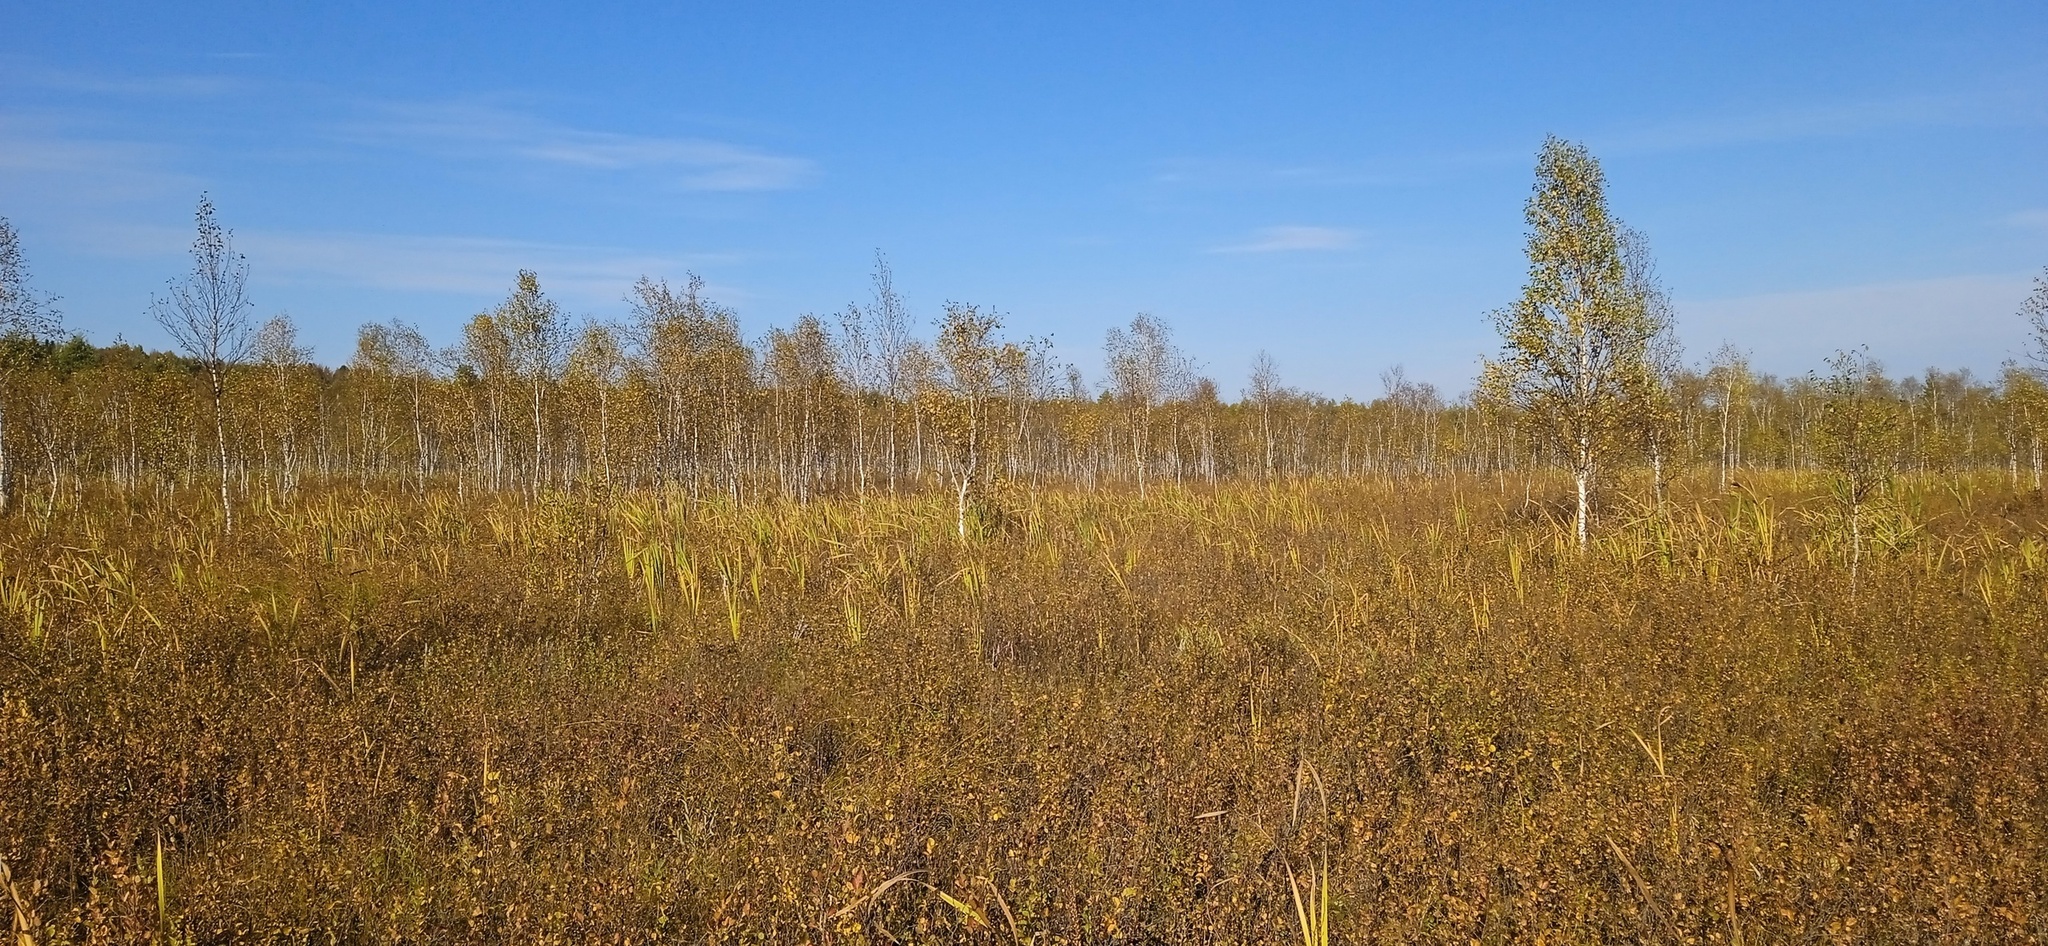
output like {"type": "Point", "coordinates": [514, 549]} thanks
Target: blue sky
{"type": "Point", "coordinates": [1340, 184]}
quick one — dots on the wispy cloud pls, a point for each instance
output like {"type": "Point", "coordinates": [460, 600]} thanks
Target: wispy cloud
{"type": "Point", "coordinates": [150, 87]}
{"type": "Point", "coordinates": [1840, 119]}
{"type": "Point", "coordinates": [1827, 120]}
{"type": "Point", "coordinates": [1236, 173]}
{"type": "Point", "coordinates": [481, 132]}
{"type": "Point", "coordinates": [1290, 239]}
{"type": "Point", "coordinates": [447, 264]}
{"type": "Point", "coordinates": [2030, 219]}
{"type": "Point", "coordinates": [1951, 321]}
{"type": "Point", "coordinates": [466, 265]}
{"type": "Point", "coordinates": [47, 158]}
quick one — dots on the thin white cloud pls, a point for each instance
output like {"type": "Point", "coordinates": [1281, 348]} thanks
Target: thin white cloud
{"type": "Point", "coordinates": [467, 265]}
{"type": "Point", "coordinates": [1827, 120]}
{"type": "Point", "coordinates": [1779, 125]}
{"type": "Point", "coordinates": [1237, 173]}
{"type": "Point", "coordinates": [46, 158]}
{"type": "Point", "coordinates": [1948, 322]}
{"type": "Point", "coordinates": [155, 87]}
{"type": "Point", "coordinates": [449, 264]}
{"type": "Point", "coordinates": [470, 131]}
{"type": "Point", "coordinates": [31, 149]}
{"type": "Point", "coordinates": [1291, 239]}
{"type": "Point", "coordinates": [2030, 219]}
{"type": "Point", "coordinates": [1686, 133]}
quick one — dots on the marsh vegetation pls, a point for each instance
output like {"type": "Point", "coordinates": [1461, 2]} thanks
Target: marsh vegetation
{"type": "Point", "coordinates": [374, 716]}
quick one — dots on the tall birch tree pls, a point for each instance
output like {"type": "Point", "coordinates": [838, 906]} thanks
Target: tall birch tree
{"type": "Point", "coordinates": [1576, 361]}
{"type": "Point", "coordinates": [896, 355]}
{"type": "Point", "coordinates": [207, 314]}
{"type": "Point", "coordinates": [538, 334]}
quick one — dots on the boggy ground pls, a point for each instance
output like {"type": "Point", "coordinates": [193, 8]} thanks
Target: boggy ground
{"type": "Point", "coordinates": [370, 717]}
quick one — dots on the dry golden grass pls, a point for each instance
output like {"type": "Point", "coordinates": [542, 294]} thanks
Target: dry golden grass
{"type": "Point", "coordinates": [1326, 712]}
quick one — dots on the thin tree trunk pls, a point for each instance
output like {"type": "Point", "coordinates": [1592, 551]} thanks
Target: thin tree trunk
{"type": "Point", "coordinates": [6, 462]}
{"type": "Point", "coordinates": [419, 437]}
{"type": "Point", "coordinates": [1657, 475]}
{"type": "Point", "coordinates": [1855, 543]}
{"type": "Point", "coordinates": [539, 464]}
{"type": "Point", "coordinates": [220, 435]}
{"type": "Point", "coordinates": [1583, 476]}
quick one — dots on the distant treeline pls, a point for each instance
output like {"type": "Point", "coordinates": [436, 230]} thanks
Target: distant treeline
{"type": "Point", "coordinates": [678, 397]}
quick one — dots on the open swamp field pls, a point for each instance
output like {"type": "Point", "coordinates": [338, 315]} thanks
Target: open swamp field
{"type": "Point", "coordinates": [1342, 712]}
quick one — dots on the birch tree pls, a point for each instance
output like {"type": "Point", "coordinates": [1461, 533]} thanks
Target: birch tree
{"type": "Point", "coordinates": [701, 372]}
{"type": "Point", "coordinates": [857, 349]}
{"type": "Point", "coordinates": [974, 362]}
{"type": "Point", "coordinates": [397, 352]}
{"type": "Point", "coordinates": [1145, 371]}
{"type": "Point", "coordinates": [2024, 421]}
{"type": "Point", "coordinates": [1729, 379]}
{"type": "Point", "coordinates": [26, 316]}
{"type": "Point", "coordinates": [1857, 438]}
{"type": "Point", "coordinates": [596, 367]}
{"type": "Point", "coordinates": [1265, 393]}
{"type": "Point", "coordinates": [2035, 311]}
{"type": "Point", "coordinates": [802, 365]}
{"type": "Point", "coordinates": [1656, 409]}
{"type": "Point", "coordinates": [1576, 353]}
{"type": "Point", "coordinates": [207, 314]}
{"type": "Point", "coordinates": [486, 351]}
{"type": "Point", "coordinates": [277, 351]}
{"type": "Point", "coordinates": [896, 354]}
{"type": "Point", "coordinates": [538, 334]}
